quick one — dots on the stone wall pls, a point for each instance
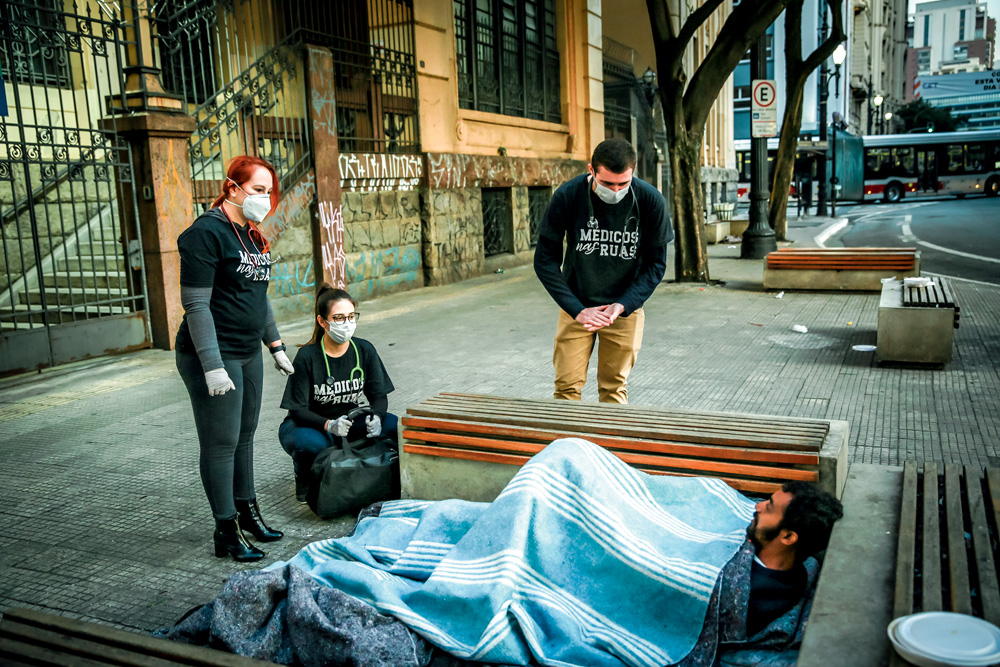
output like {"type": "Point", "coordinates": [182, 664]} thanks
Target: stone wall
{"type": "Point", "coordinates": [382, 242]}
{"type": "Point", "coordinates": [289, 231]}
{"type": "Point", "coordinates": [452, 210]}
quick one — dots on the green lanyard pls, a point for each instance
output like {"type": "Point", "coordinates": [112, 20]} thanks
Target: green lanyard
{"type": "Point", "coordinates": [357, 364]}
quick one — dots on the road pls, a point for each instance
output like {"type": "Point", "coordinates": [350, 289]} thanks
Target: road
{"type": "Point", "coordinates": [956, 237]}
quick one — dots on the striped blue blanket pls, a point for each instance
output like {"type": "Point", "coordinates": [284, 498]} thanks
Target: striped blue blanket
{"type": "Point", "coordinates": [580, 561]}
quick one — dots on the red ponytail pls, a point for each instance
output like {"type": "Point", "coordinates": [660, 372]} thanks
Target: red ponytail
{"type": "Point", "coordinates": [240, 171]}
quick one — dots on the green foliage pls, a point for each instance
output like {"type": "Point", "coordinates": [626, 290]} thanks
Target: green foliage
{"type": "Point", "coordinates": [918, 114]}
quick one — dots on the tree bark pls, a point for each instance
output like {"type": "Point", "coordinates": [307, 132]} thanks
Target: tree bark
{"type": "Point", "coordinates": [796, 74]}
{"type": "Point", "coordinates": [687, 105]}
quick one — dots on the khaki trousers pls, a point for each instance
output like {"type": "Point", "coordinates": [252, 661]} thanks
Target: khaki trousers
{"type": "Point", "coordinates": [618, 346]}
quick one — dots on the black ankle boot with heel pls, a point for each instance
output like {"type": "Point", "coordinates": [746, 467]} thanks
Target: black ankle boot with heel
{"type": "Point", "coordinates": [252, 522]}
{"type": "Point", "coordinates": [230, 541]}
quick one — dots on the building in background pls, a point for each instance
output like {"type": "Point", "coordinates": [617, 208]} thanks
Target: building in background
{"type": "Point", "coordinates": [877, 53]}
{"type": "Point", "coordinates": [972, 97]}
{"type": "Point", "coordinates": [951, 36]}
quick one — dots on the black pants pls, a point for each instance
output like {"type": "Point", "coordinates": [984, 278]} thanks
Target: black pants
{"type": "Point", "coordinates": [226, 426]}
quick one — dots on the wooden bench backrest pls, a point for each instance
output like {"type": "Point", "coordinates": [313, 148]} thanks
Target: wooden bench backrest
{"type": "Point", "coordinates": [892, 259]}
{"type": "Point", "coordinates": [936, 508]}
{"type": "Point", "coordinates": [750, 453]}
{"type": "Point", "coordinates": [38, 638]}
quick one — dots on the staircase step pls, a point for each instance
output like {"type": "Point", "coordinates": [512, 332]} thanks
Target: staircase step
{"type": "Point", "coordinates": [20, 312]}
{"type": "Point", "coordinates": [96, 248]}
{"type": "Point", "coordinates": [7, 326]}
{"type": "Point", "coordinates": [100, 264]}
{"type": "Point", "coordinates": [74, 297]}
{"type": "Point", "coordinates": [78, 279]}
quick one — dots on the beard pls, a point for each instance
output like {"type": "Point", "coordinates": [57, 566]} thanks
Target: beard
{"type": "Point", "coordinates": [759, 537]}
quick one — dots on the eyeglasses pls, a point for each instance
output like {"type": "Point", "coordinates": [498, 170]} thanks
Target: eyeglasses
{"type": "Point", "coordinates": [349, 317]}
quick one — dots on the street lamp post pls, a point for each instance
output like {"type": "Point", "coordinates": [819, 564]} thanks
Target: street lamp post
{"type": "Point", "coordinates": [838, 59]}
{"type": "Point", "coordinates": [824, 93]}
{"type": "Point", "coordinates": [759, 239]}
{"type": "Point", "coordinates": [878, 103]}
{"type": "Point", "coordinates": [888, 120]}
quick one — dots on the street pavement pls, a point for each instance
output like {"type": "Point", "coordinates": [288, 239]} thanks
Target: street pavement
{"type": "Point", "coordinates": [102, 515]}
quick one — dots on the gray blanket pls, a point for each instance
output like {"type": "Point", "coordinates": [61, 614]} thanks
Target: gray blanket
{"type": "Point", "coordinates": [285, 617]}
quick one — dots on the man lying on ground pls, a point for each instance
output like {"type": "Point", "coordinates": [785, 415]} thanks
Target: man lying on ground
{"type": "Point", "coordinates": [581, 560]}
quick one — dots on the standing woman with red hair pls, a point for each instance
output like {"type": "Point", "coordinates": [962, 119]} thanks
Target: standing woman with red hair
{"type": "Point", "coordinates": [225, 268]}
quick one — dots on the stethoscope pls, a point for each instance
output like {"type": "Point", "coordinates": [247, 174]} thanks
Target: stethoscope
{"type": "Point", "coordinates": [357, 365]}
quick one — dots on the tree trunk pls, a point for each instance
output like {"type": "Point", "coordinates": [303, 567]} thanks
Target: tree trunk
{"type": "Point", "coordinates": [690, 244]}
{"type": "Point", "coordinates": [796, 74]}
{"type": "Point", "coordinates": [784, 164]}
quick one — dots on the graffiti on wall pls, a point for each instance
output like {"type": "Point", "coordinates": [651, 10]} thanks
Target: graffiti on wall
{"type": "Point", "coordinates": [292, 278]}
{"type": "Point", "coordinates": [383, 271]}
{"type": "Point", "coordinates": [457, 170]}
{"type": "Point", "coordinates": [324, 99]}
{"type": "Point", "coordinates": [293, 204]}
{"type": "Point", "coordinates": [331, 220]}
{"type": "Point", "coordinates": [370, 172]}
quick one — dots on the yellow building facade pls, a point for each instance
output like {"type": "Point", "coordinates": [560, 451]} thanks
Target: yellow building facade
{"type": "Point", "coordinates": [417, 143]}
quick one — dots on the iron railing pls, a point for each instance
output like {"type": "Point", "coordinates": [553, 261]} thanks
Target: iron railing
{"type": "Point", "coordinates": [498, 222]}
{"type": "Point", "coordinates": [65, 175]}
{"type": "Point", "coordinates": [538, 202]}
{"type": "Point", "coordinates": [242, 78]}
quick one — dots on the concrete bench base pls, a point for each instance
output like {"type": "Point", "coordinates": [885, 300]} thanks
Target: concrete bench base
{"type": "Point", "coordinates": [470, 446]}
{"type": "Point", "coordinates": [910, 334]}
{"type": "Point", "coordinates": [854, 596]}
{"type": "Point", "coordinates": [716, 231]}
{"type": "Point", "coordinates": [846, 280]}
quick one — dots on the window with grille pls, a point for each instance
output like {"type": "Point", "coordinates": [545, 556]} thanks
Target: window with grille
{"type": "Point", "coordinates": [37, 52]}
{"type": "Point", "coordinates": [508, 58]}
{"type": "Point", "coordinates": [498, 222]}
{"type": "Point", "coordinates": [538, 202]}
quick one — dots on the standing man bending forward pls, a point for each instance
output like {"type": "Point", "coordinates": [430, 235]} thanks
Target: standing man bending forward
{"type": "Point", "coordinates": [617, 231]}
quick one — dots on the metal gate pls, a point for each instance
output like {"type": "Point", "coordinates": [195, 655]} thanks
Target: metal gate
{"type": "Point", "coordinates": [68, 289]}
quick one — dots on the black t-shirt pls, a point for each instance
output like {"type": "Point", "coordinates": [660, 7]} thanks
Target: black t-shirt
{"type": "Point", "coordinates": [214, 254]}
{"type": "Point", "coordinates": [772, 593]}
{"type": "Point", "coordinates": [614, 252]}
{"type": "Point", "coordinates": [358, 379]}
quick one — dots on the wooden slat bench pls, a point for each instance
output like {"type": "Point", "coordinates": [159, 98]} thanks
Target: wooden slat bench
{"type": "Point", "coordinates": [469, 446]}
{"type": "Point", "coordinates": [916, 324]}
{"type": "Point", "coordinates": [937, 567]}
{"type": "Point", "coordinates": [850, 269]}
{"type": "Point", "coordinates": [35, 638]}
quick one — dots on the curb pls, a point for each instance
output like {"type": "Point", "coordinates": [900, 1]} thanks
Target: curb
{"type": "Point", "coordinates": [829, 231]}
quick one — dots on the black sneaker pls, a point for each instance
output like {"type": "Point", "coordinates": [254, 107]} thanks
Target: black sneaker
{"type": "Point", "coordinates": [301, 489]}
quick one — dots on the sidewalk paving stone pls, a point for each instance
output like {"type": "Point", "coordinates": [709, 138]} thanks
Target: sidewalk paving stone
{"type": "Point", "coordinates": [102, 514]}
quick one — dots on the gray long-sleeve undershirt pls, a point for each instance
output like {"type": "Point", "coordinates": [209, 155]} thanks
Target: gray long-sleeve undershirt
{"type": "Point", "coordinates": [196, 303]}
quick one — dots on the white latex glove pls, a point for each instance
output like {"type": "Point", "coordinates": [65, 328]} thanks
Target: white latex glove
{"type": "Point", "coordinates": [339, 427]}
{"type": "Point", "coordinates": [282, 363]}
{"type": "Point", "coordinates": [218, 382]}
{"type": "Point", "coordinates": [374, 425]}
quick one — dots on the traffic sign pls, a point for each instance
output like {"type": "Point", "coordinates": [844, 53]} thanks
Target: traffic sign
{"type": "Point", "coordinates": [763, 108]}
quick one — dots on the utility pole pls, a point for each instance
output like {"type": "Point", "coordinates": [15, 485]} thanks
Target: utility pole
{"type": "Point", "coordinates": [759, 238]}
{"type": "Point", "coordinates": [824, 93]}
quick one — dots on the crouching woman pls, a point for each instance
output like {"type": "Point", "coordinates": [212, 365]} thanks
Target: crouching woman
{"type": "Point", "coordinates": [334, 373]}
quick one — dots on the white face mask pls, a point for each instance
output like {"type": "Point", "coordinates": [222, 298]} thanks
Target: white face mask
{"type": "Point", "coordinates": [609, 196]}
{"type": "Point", "coordinates": [255, 207]}
{"type": "Point", "coordinates": [341, 333]}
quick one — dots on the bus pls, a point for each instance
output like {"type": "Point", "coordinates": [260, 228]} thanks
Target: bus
{"type": "Point", "coordinates": [807, 156]}
{"type": "Point", "coordinates": [934, 164]}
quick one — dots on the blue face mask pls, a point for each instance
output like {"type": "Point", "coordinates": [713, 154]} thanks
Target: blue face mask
{"type": "Point", "coordinates": [609, 196]}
